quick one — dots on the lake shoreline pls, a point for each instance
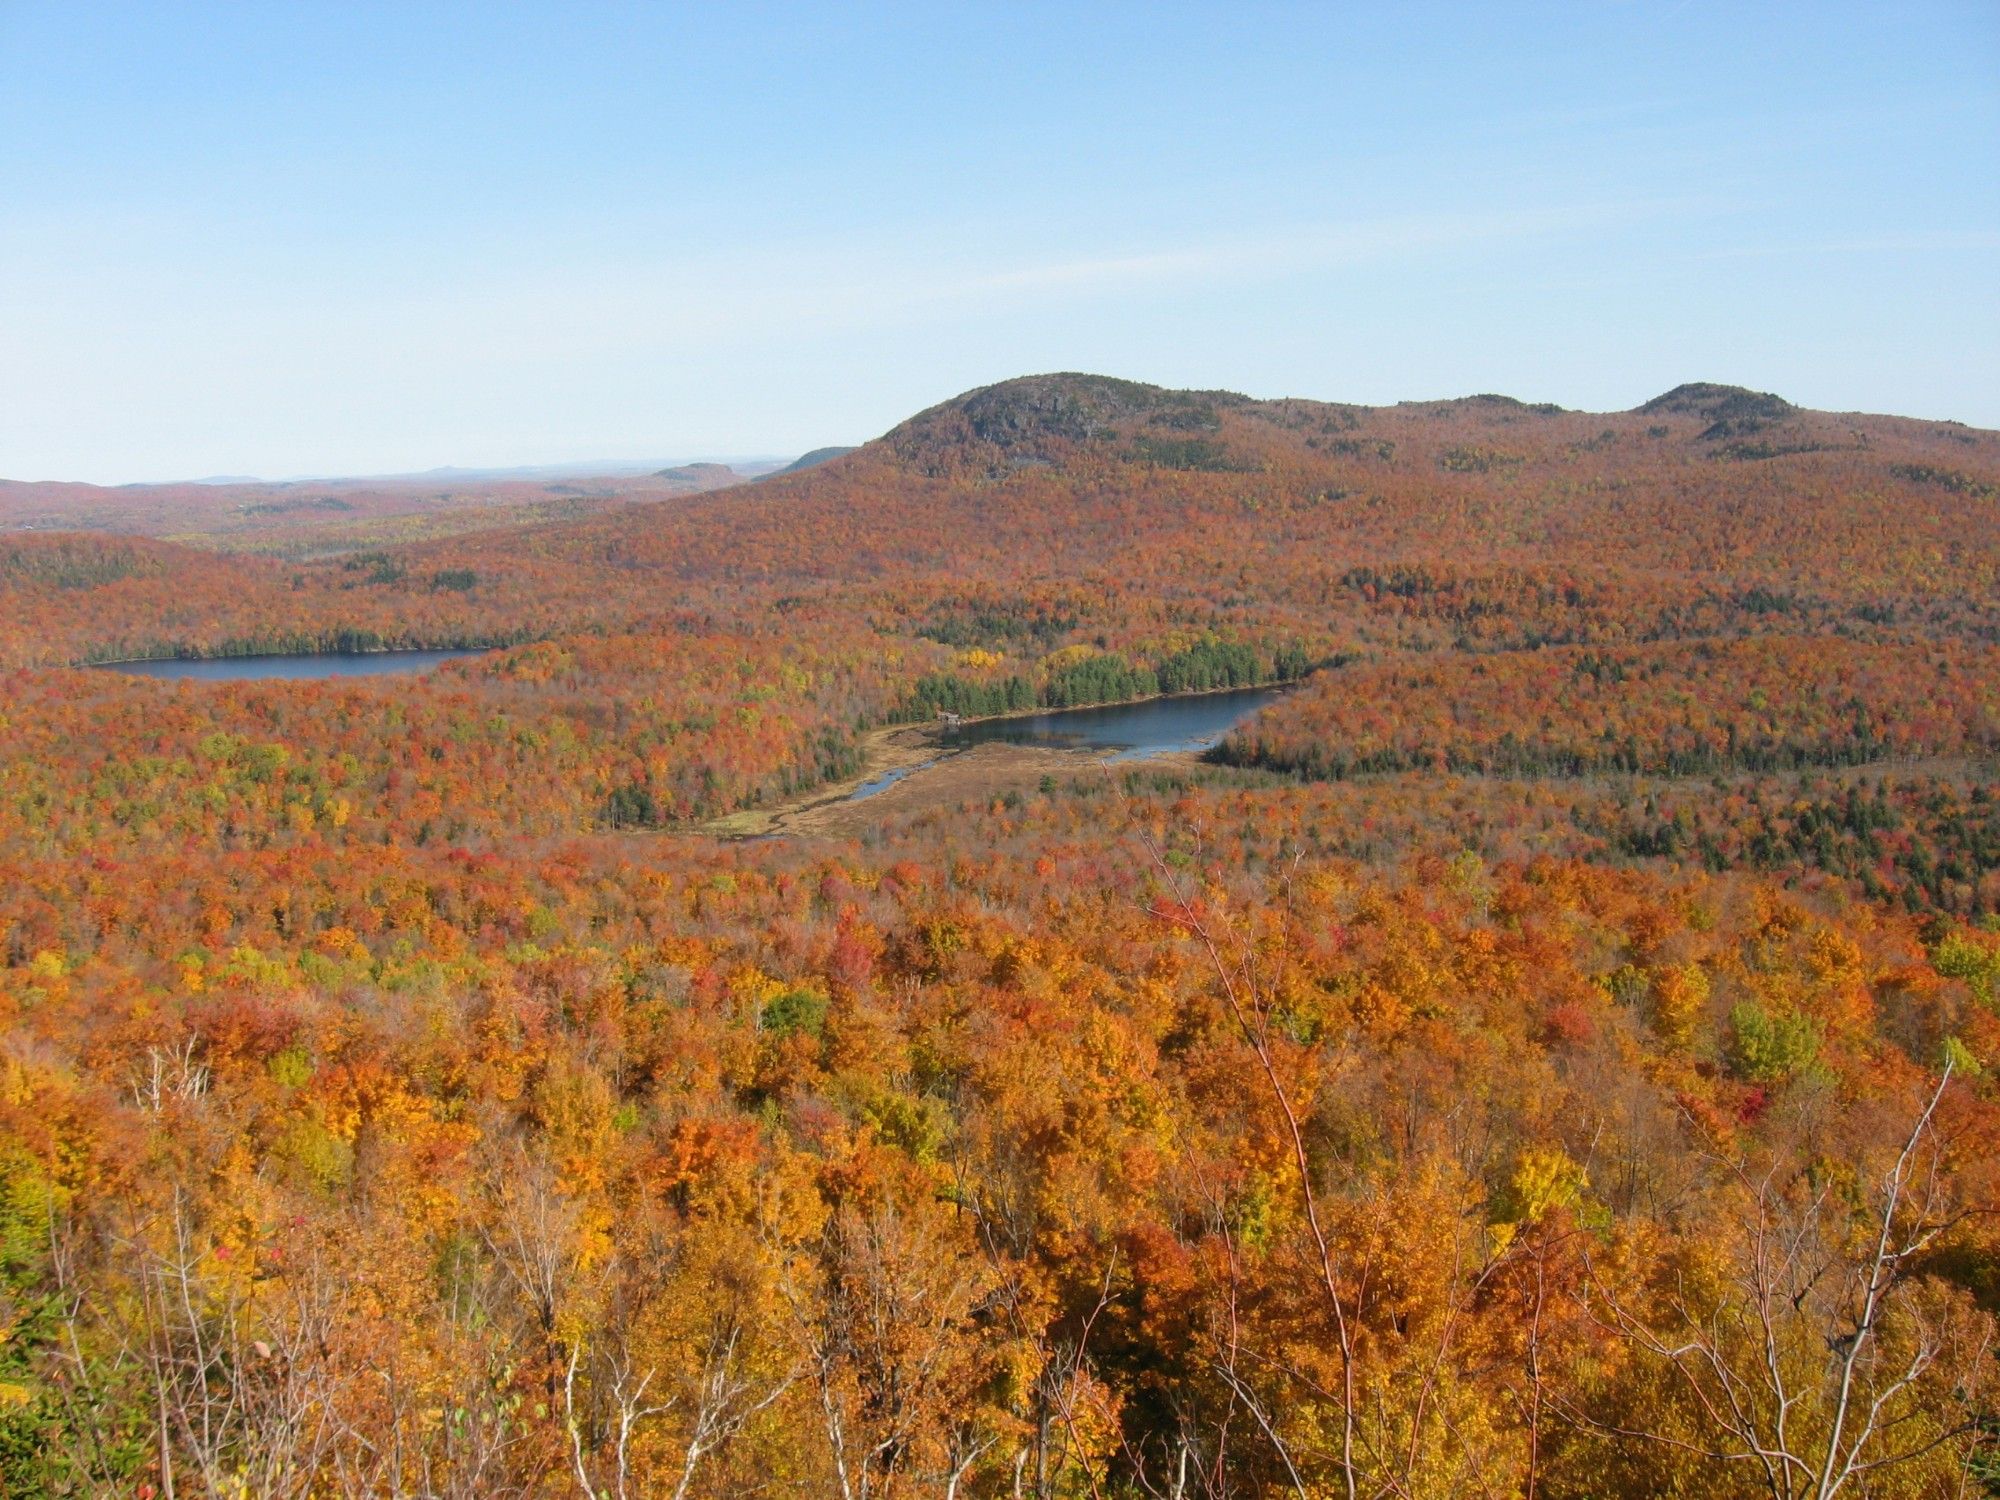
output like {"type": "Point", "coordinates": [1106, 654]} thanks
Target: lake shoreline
{"type": "Point", "coordinates": [1277, 688]}
{"type": "Point", "coordinates": [932, 766]}
{"type": "Point", "coordinates": [386, 661]}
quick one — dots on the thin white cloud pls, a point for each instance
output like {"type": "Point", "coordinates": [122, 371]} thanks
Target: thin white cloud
{"type": "Point", "coordinates": [671, 303]}
{"type": "Point", "coordinates": [1941, 242]}
{"type": "Point", "coordinates": [1294, 250]}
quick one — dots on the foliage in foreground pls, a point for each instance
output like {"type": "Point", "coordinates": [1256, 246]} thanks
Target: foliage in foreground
{"type": "Point", "coordinates": [1088, 1168]}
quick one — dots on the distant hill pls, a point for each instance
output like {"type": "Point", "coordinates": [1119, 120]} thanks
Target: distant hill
{"type": "Point", "coordinates": [706, 476]}
{"type": "Point", "coordinates": [815, 458]}
{"type": "Point", "coordinates": [598, 469]}
{"type": "Point", "coordinates": [1068, 421]}
{"type": "Point", "coordinates": [315, 517]}
{"type": "Point", "coordinates": [1730, 411]}
{"type": "Point", "coordinates": [1043, 421]}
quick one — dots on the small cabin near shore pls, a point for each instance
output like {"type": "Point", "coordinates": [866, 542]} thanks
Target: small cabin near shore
{"type": "Point", "coordinates": [949, 719]}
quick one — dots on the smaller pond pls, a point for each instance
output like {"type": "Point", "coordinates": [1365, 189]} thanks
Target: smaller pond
{"type": "Point", "coordinates": [1193, 721]}
{"type": "Point", "coordinates": [257, 668]}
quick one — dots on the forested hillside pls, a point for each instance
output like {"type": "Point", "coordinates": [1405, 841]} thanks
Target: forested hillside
{"type": "Point", "coordinates": [1549, 1051]}
{"type": "Point", "coordinates": [1127, 513]}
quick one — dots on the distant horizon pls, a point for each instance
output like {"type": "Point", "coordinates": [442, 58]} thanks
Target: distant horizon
{"type": "Point", "coordinates": [608, 468]}
{"type": "Point", "coordinates": [611, 468]}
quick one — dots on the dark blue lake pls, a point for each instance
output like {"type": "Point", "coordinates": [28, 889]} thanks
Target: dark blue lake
{"type": "Point", "coordinates": [1129, 730]}
{"type": "Point", "coordinates": [254, 668]}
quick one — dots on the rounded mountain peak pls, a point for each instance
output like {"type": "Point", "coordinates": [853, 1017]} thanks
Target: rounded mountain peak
{"type": "Point", "coordinates": [1043, 421]}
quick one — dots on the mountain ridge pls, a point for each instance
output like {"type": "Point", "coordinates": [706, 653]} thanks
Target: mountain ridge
{"type": "Point", "coordinates": [1065, 419]}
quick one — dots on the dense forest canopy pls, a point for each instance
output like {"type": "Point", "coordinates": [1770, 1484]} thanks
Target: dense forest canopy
{"type": "Point", "coordinates": [1549, 1051]}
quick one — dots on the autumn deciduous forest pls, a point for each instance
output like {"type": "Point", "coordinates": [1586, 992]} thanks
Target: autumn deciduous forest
{"type": "Point", "coordinates": [1551, 1049]}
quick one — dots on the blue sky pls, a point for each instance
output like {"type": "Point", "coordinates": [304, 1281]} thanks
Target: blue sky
{"type": "Point", "coordinates": [279, 239]}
